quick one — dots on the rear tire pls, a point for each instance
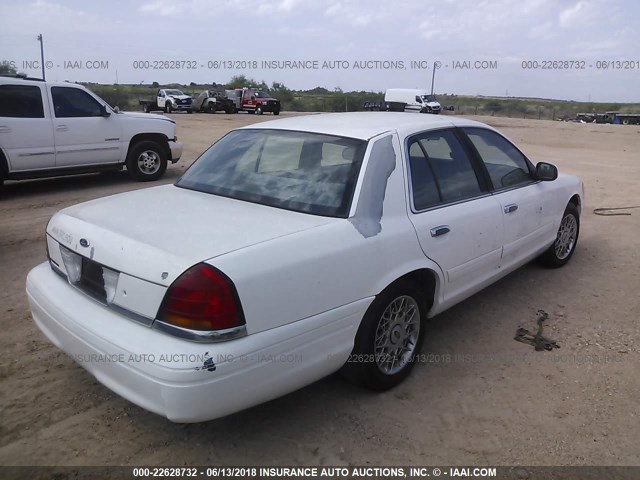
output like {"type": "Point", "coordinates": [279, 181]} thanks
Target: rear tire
{"type": "Point", "coordinates": [561, 251]}
{"type": "Point", "coordinates": [145, 108]}
{"type": "Point", "coordinates": [388, 339]}
{"type": "Point", "coordinates": [147, 161]}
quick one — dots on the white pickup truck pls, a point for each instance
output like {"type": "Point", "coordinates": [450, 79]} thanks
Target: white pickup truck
{"type": "Point", "coordinates": [50, 129]}
{"type": "Point", "coordinates": [168, 100]}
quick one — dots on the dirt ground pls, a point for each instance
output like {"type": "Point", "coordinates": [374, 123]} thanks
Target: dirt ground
{"type": "Point", "coordinates": [482, 398]}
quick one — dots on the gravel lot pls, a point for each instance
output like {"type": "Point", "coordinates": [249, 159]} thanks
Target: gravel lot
{"type": "Point", "coordinates": [482, 398]}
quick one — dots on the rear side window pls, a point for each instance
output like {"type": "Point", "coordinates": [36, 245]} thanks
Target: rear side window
{"type": "Point", "coordinates": [507, 167]}
{"type": "Point", "coordinates": [73, 102]}
{"type": "Point", "coordinates": [441, 171]}
{"type": "Point", "coordinates": [21, 101]}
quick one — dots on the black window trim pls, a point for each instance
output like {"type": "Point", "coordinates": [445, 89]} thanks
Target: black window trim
{"type": "Point", "coordinates": [479, 169]}
{"type": "Point", "coordinates": [476, 154]}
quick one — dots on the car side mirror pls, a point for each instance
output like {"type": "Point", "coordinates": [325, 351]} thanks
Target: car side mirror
{"type": "Point", "coordinates": [116, 109]}
{"type": "Point", "coordinates": [104, 112]}
{"type": "Point", "coordinates": [546, 172]}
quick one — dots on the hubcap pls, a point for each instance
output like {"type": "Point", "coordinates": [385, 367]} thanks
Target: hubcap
{"type": "Point", "coordinates": [149, 162]}
{"type": "Point", "coordinates": [566, 238]}
{"type": "Point", "coordinates": [397, 335]}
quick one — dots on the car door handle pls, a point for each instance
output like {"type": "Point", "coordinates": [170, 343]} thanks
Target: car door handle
{"type": "Point", "coordinates": [62, 128]}
{"type": "Point", "coordinates": [441, 230]}
{"type": "Point", "coordinates": [4, 129]}
{"type": "Point", "coordinates": [510, 208]}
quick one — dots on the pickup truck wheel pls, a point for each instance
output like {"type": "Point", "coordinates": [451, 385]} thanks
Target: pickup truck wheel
{"type": "Point", "coordinates": [145, 108]}
{"type": "Point", "coordinates": [276, 112]}
{"type": "Point", "coordinates": [561, 251]}
{"type": "Point", "coordinates": [147, 161]}
{"type": "Point", "coordinates": [388, 339]}
{"type": "Point", "coordinates": [167, 107]}
{"type": "Point", "coordinates": [211, 107]}
{"type": "Point", "coordinates": [258, 110]}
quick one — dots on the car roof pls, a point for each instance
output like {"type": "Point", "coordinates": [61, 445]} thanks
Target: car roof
{"type": "Point", "coordinates": [365, 125]}
{"type": "Point", "coordinates": [36, 81]}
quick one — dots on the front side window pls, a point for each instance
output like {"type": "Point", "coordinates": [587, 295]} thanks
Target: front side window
{"type": "Point", "coordinates": [21, 101]}
{"type": "Point", "coordinates": [441, 171]}
{"type": "Point", "coordinates": [305, 172]}
{"type": "Point", "coordinates": [72, 102]}
{"type": "Point", "coordinates": [507, 167]}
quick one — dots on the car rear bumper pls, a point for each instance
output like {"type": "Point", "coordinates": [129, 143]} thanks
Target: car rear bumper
{"type": "Point", "coordinates": [176, 150]}
{"type": "Point", "coordinates": [182, 380]}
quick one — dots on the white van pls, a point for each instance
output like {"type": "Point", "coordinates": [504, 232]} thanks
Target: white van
{"type": "Point", "coordinates": [413, 99]}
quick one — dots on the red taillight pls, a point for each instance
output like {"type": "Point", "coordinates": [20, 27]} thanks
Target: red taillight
{"type": "Point", "coordinates": [202, 298]}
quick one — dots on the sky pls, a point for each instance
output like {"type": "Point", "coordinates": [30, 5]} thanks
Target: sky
{"type": "Point", "coordinates": [485, 47]}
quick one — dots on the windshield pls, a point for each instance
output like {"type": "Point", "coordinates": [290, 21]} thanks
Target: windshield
{"type": "Point", "coordinates": [304, 172]}
{"type": "Point", "coordinates": [173, 92]}
{"type": "Point", "coordinates": [261, 95]}
{"type": "Point", "coordinates": [429, 98]}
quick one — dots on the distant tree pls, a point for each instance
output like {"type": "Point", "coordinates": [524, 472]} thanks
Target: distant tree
{"type": "Point", "coordinates": [7, 68]}
{"type": "Point", "coordinates": [318, 91]}
{"type": "Point", "coordinates": [155, 84]}
{"type": "Point", "coordinates": [493, 106]}
{"type": "Point", "coordinates": [238, 81]}
{"type": "Point", "coordinates": [241, 81]}
{"type": "Point", "coordinates": [193, 84]}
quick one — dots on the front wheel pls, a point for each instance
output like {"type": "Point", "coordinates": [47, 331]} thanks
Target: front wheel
{"type": "Point", "coordinates": [258, 110]}
{"type": "Point", "coordinates": [388, 339]}
{"type": "Point", "coordinates": [276, 112]}
{"type": "Point", "coordinates": [147, 161]}
{"type": "Point", "coordinates": [561, 251]}
{"type": "Point", "coordinates": [167, 107]}
{"type": "Point", "coordinates": [211, 107]}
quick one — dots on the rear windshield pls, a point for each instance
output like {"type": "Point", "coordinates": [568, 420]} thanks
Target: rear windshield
{"type": "Point", "coordinates": [300, 171]}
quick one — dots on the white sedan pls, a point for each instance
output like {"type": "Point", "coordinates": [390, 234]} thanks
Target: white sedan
{"type": "Point", "coordinates": [293, 249]}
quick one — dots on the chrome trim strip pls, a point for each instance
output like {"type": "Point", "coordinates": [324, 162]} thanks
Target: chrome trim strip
{"type": "Point", "coordinates": [201, 336]}
{"type": "Point", "coordinates": [136, 317]}
{"type": "Point", "coordinates": [82, 150]}
{"type": "Point", "coordinates": [35, 154]}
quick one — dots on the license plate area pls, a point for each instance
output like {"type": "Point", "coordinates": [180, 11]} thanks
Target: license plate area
{"type": "Point", "coordinates": [92, 279]}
